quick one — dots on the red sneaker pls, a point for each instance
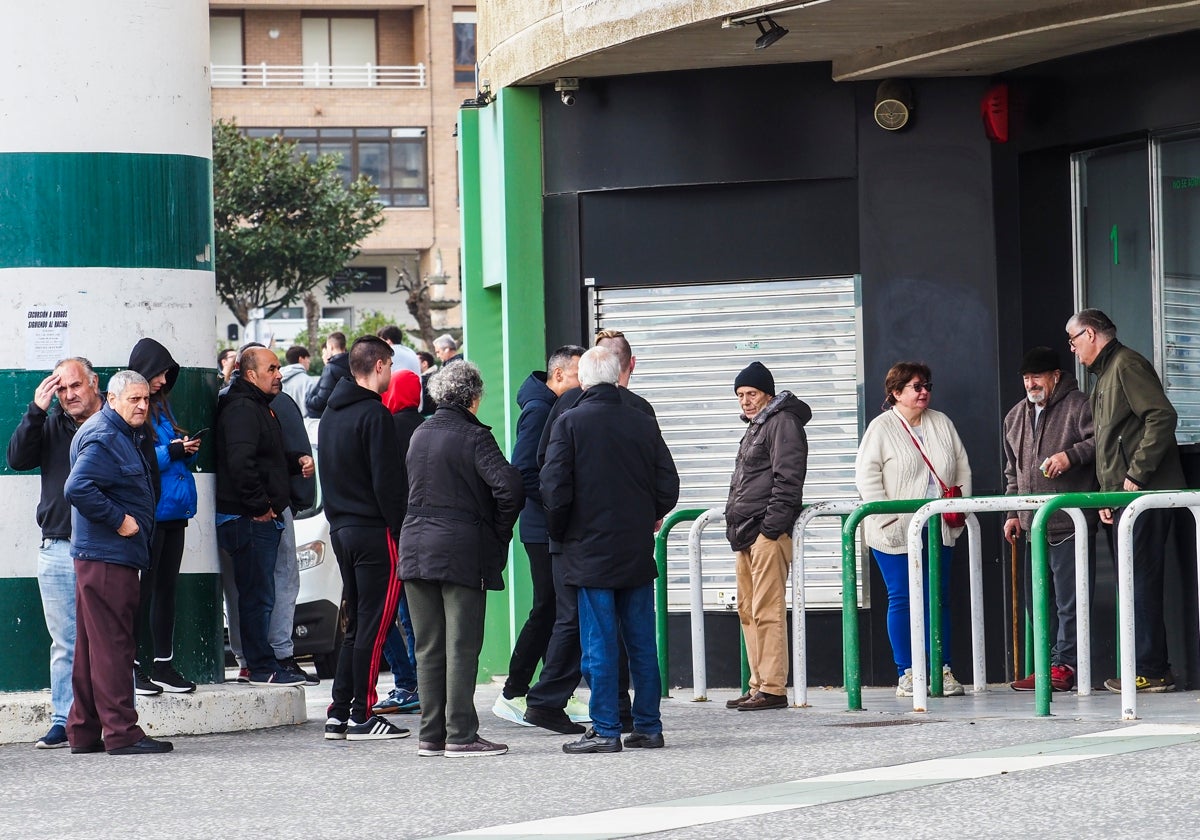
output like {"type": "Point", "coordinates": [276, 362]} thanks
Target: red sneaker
{"type": "Point", "coordinates": [1062, 677]}
{"type": "Point", "coordinates": [244, 676]}
{"type": "Point", "coordinates": [1028, 683]}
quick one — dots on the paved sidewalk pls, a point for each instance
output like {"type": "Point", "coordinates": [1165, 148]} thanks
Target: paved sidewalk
{"type": "Point", "coordinates": [289, 781]}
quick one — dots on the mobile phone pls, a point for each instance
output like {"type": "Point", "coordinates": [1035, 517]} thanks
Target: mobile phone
{"type": "Point", "coordinates": [200, 433]}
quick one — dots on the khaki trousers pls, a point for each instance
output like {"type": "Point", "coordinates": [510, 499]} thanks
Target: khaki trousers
{"type": "Point", "coordinates": [761, 586]}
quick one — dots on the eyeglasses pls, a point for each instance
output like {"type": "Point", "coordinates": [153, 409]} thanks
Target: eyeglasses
{"type": "Point", "coordinates": [1071, 339]}
{"type": "Point", "coordinates": [921, 386]}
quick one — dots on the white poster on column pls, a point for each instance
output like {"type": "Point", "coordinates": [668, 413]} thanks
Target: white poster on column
{"type": "Point", "coordinates": [47, 336]}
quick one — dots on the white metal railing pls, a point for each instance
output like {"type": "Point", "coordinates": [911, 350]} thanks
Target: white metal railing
{"type": "Point", "coordinates": [319, 75]}
{"type": "Point", "coordinates": [1128, 642]}
{"type": "Point", "coordinates": [696, 587]}
{"type": "Point", "coordinates": [799, 610]}
{"type": "Point", "coordinates": [916, 595]}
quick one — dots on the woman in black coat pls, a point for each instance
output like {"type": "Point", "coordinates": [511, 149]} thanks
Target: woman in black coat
{"type": "Point", "coordinates": [463, 500]}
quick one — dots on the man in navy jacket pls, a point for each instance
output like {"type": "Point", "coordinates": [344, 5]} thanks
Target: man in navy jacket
{"type": "Point", "coordinates": [112, 492]}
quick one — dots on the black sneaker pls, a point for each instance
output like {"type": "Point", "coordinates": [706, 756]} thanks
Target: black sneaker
{"type": "Point", "coordinates": [555, 720]}
{"type": "Point", "coordinates": [171, 680]}
{"type": "Point", "coordinates": [335, 730]}
{"type": "Point", "coordinates": [374, 728]}
{"type": "Point", "coordinates": [293, 667]}
{"type": "Point", "coordinates": [276, 679]}
{"type": "Point", "coordinates": [644, 741]}
{"type": "Point", "coordinates": [143, 684]}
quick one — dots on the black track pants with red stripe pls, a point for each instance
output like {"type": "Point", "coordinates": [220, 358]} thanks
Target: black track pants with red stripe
{"type": "Point", "coordinates": [367, 557]}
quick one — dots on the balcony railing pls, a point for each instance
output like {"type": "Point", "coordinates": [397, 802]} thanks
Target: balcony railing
{"type": "Point", "coordinates": [318, 75]}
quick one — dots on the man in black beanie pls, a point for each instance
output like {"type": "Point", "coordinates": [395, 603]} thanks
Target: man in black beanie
{"type": "Point", "coordinates": [765, 496]}
{"type": "Point", "coordinates": [1049, 447]}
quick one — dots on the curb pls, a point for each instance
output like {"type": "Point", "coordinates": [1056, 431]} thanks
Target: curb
{"type": "Point", "coordinates": [25, 716]}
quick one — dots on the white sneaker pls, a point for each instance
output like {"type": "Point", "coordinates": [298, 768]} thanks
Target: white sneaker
{"type": "Point", "coordinates": [577, 710]}
{"type": "Point", "coordinates": [511, 710]}
{"type": "Point", "coordinates": [904, 687]}
{"type": "Point", "coordinates": [950, 686]}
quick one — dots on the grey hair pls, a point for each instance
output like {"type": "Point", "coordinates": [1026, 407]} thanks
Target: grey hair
{"type": "Point", "coordinates": [1094, 319]}
{"type": "Point", "coordinates": [457, 384]}
{"type": "Point", "coordinates": [122, 379]}
{"type": "Point", "coordinates": [86, 364]}
{"type": "Point", "coordinates": [561, 358]}
{"type": "Point", "coordinates": [445, 341]}
{"type": "Point", "coordinates": [599, 366]}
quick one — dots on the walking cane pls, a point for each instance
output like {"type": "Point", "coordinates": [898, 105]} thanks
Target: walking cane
{"type": "Point", "coordinates": [1016, 656]}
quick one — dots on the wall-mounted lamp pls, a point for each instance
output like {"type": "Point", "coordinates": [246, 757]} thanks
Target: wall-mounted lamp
{"type": "Point", "coordinates": [771, 32]}
{"type": "Point", "coordinates": [273, 34]}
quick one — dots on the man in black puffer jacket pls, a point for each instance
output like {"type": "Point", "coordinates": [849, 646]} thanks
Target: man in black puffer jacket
{"type": "Point", "coordinates": [765, 496]}
{"type": "Point", "coordinates": [337, 368]}
{"type": "Point", "coordinates": [608, 481]}
{"type": "Point", "coordinates": [365, 506]}
{"type": "Point", "coordinates": [253, 491]}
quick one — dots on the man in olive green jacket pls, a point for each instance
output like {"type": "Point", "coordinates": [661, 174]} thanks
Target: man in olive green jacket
{"type": "Point", "coordinates": [1135, 450]}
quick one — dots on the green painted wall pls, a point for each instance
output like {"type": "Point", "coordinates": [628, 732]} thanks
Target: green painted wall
{"type": "Point", "coordinates": [110, 209]}
{"type": "Point", "coordinates": [503, 298]}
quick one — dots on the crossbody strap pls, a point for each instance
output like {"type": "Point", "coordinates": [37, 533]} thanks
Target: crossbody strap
{"type": "Point", "coordinates": [925, 457]}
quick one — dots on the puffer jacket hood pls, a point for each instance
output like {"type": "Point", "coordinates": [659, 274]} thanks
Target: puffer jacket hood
{"type": "Point", "coordinates": [149, 358]}
{"type": "Point", "coordinates": [535, 388]}
{"type": "Point", "coordinates": [783, 401]}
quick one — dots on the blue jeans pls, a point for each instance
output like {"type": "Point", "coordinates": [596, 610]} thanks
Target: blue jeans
{"type": "Point", "coordinates": [401, 659]}
{"type": "Point", "coordinates": [605, 617]}
{"type": "Point", "coordinates": [252, 548]}
{"type": "Point", "coordinates": [894, 568]}
{"type": "Point", "coordinates": [56, 582]}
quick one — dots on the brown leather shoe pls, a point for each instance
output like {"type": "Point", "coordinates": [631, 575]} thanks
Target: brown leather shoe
{"type": "Point", "coordinates": [762, 700]}
{"type": "Point", "coordinates": [737, 701]}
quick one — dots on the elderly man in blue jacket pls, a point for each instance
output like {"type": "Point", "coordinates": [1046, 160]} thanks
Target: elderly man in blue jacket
{"type": "Point", "coordinates": [112, 495]}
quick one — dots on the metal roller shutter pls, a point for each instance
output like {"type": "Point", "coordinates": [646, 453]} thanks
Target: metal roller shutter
{"type": "Point", "coordinates": [690, 342]}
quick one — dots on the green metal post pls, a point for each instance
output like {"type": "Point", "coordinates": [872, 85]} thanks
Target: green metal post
{"type": "Point", "coordinates": [1041, 581]}
{"type": "Point", "coordinates": [660, 586]}
{"type": "Point", "coordinates": [745, 660]}
{"type": "Point", "coordinates": [934, 531]}
{"type": "Point", "coordinates": [851, 674]}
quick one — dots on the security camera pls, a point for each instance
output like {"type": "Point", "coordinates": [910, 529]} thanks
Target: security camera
{"type": "Point", "coordinates": [566, 88]}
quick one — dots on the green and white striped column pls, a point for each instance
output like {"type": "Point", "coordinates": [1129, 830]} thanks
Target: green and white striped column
{"type": "Point", "coordinates": [106, 228]}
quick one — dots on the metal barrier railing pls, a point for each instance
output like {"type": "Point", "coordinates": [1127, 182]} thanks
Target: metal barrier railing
{"type": "Point", "coordinates": [1041, 584]}
{"type": "Point", "coordinates": [660, 588]}
{"type": "Point", "coordinates": [799, 612]}
{"type": "Point", "coordinates": [696, 585]}
{"type": "Point", "coordinates": [851, 672]}
{"type": "Point", "coordinates": [1128, 646]}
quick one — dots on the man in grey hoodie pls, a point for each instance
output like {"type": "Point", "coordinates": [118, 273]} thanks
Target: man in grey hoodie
{"type": "Point", "coordinates": [1050, 447]}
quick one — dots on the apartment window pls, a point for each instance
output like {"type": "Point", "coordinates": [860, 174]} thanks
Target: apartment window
{"type": "Point", "coordinates": [338, 51]}
{"type": "Point", "coordinates": [464, 46]}
{"type": "Point", "coordinates": [225, 47]}
{"type": "Point", "coordinates": [364, 279]}
{"type": "Point", "coordinates": [395, 159]}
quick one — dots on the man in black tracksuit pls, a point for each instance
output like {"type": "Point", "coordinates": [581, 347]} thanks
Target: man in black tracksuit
{"type": "Point", "coordinates": [365, 506]}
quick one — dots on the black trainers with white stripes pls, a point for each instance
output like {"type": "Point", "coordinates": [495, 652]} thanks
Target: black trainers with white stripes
{"type": "Point", "coordinates": [374, 728]}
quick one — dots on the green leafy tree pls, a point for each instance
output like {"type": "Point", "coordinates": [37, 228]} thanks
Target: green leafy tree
{"type": "Point", "coordinates": [285, 223]}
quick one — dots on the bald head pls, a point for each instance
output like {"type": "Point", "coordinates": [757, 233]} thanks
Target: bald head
{"type": "Point", "coordinates": [260, 368]}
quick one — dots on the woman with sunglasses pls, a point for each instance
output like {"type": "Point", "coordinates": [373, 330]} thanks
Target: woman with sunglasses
{"type": "Point", "coordinates": [900, 452]}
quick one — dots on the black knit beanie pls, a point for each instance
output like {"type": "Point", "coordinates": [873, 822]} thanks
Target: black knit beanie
{"type": "Point", "coordinates": [1040, 360]}
{"type": "Point", "coordinates": [755, 375]}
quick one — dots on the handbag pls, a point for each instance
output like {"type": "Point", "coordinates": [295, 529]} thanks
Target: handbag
{"type": "Point", "coordinates": [955, 519]}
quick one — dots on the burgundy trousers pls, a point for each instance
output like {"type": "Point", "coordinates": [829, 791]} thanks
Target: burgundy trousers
{"type": "Point", "coordinates": [106, 602]}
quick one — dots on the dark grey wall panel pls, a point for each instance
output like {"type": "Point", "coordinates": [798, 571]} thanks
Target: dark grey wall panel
{"type": "Point", "coordinates": [746, 124]}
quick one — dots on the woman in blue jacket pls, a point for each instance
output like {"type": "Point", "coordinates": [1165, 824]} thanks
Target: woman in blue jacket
{"type": "Point", "coordinates": [171, 453]}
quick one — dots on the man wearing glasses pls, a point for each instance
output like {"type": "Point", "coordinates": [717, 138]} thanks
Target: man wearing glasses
{"type": "Point", "coordinates": [1135, 450]}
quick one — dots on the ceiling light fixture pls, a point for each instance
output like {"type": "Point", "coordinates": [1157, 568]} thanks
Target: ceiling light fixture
{"type": "Point", "coordinates": [771, 32]}
{"type": "Point", "coordinates": [755, 17]}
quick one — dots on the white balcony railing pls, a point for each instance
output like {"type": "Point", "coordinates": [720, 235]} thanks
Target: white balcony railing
{"type": "Point", "coordinates": [318, 75]}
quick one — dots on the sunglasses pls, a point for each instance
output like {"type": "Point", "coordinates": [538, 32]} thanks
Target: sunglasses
{"type": "Point", "coordinates": [918, 387]}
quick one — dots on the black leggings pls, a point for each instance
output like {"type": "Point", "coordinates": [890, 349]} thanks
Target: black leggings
{"type": "Point", "coordinates": [156, 605]}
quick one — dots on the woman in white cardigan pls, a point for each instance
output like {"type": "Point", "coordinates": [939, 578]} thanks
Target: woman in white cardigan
{"type": "Point", "coordinates": [890, 465]}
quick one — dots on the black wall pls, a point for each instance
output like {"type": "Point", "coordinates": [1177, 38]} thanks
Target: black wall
{"type": "Point", "coordinates": [964, 247]}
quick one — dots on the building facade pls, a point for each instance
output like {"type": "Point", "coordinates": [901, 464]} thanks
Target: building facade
{"type": "Point", "coordinates": [832, 187]}
{"type": "Point", "coordinates": [379, 83]}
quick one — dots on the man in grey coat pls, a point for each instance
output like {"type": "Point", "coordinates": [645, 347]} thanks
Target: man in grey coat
{"type": "Point", "coordinates": [1049, 447]}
